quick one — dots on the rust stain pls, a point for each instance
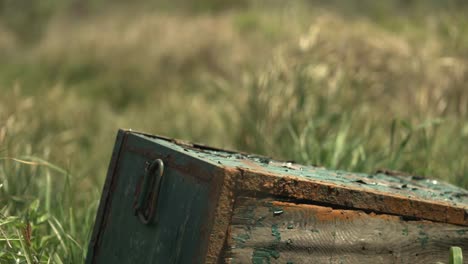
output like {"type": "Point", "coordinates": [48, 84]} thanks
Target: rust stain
{"type": "Point", "coordinates": [328, 214]}
{"type": "Point", "coordinates": [353, 198]}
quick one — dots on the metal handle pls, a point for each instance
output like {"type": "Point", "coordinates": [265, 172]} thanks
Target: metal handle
{"type": "Point", "coordinates": [147, 197]}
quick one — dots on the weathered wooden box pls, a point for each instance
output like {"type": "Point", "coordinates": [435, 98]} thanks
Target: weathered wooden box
{"type": "Point", "coordinates": [166, 201]}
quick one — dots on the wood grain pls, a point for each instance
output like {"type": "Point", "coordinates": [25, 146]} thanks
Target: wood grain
{"type": "Point", "coordinates": [269, 231]}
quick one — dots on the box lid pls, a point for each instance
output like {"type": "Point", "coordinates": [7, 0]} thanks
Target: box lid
{"type": "Point", "coordinates": [383, 191]}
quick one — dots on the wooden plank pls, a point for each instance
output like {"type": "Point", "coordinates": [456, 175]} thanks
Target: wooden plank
{"type": "Point", "coordinates": [269, 231]}
{"type": "Point", "coordinates": [388, 202]}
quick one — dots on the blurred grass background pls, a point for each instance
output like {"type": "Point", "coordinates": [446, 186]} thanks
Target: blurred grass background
{"type": "Point", "coordinates": [355, 85]}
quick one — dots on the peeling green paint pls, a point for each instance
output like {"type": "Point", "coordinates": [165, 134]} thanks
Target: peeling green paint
{"type": "Point", "coordinates": [423, 240]}
{"type": "Point", "coordinates": [423, 237]}
{"type": "Point", "coordinates": [261, 256]}
{"type": "Point", "coordinates": [264, 255]}
{"type": "Point", "coordinates": [290, 226]}
{"type": "Point", "coordinates": [461, 232]}
{"type": "Point", "coordinates": [241, 239]}
{"type": "Point", "coordinates": [275, 232]}
{"type": "Point", "coordinates": [405, 231]}
{"type": "Point", "coordinates": [275, 254]}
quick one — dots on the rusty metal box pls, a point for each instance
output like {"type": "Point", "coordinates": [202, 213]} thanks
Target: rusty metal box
{"type": "Point", "coordinates": [166, 201]}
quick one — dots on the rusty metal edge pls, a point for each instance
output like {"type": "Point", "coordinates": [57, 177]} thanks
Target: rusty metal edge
{"type": "Point", "coordinates": [104, 203]}
{"type": "Point", "coordinates": [393, 204]}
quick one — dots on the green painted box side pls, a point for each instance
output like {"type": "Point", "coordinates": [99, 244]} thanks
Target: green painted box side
{"type": "Point", "coordinates": [180, 230]}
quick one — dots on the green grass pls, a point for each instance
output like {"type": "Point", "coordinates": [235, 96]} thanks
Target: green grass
{"type": "Point", "coordinates": [357, 86]}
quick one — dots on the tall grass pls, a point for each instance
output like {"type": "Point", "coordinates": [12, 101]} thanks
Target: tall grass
{"type": "Point", "coordinates": [322, 83]}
